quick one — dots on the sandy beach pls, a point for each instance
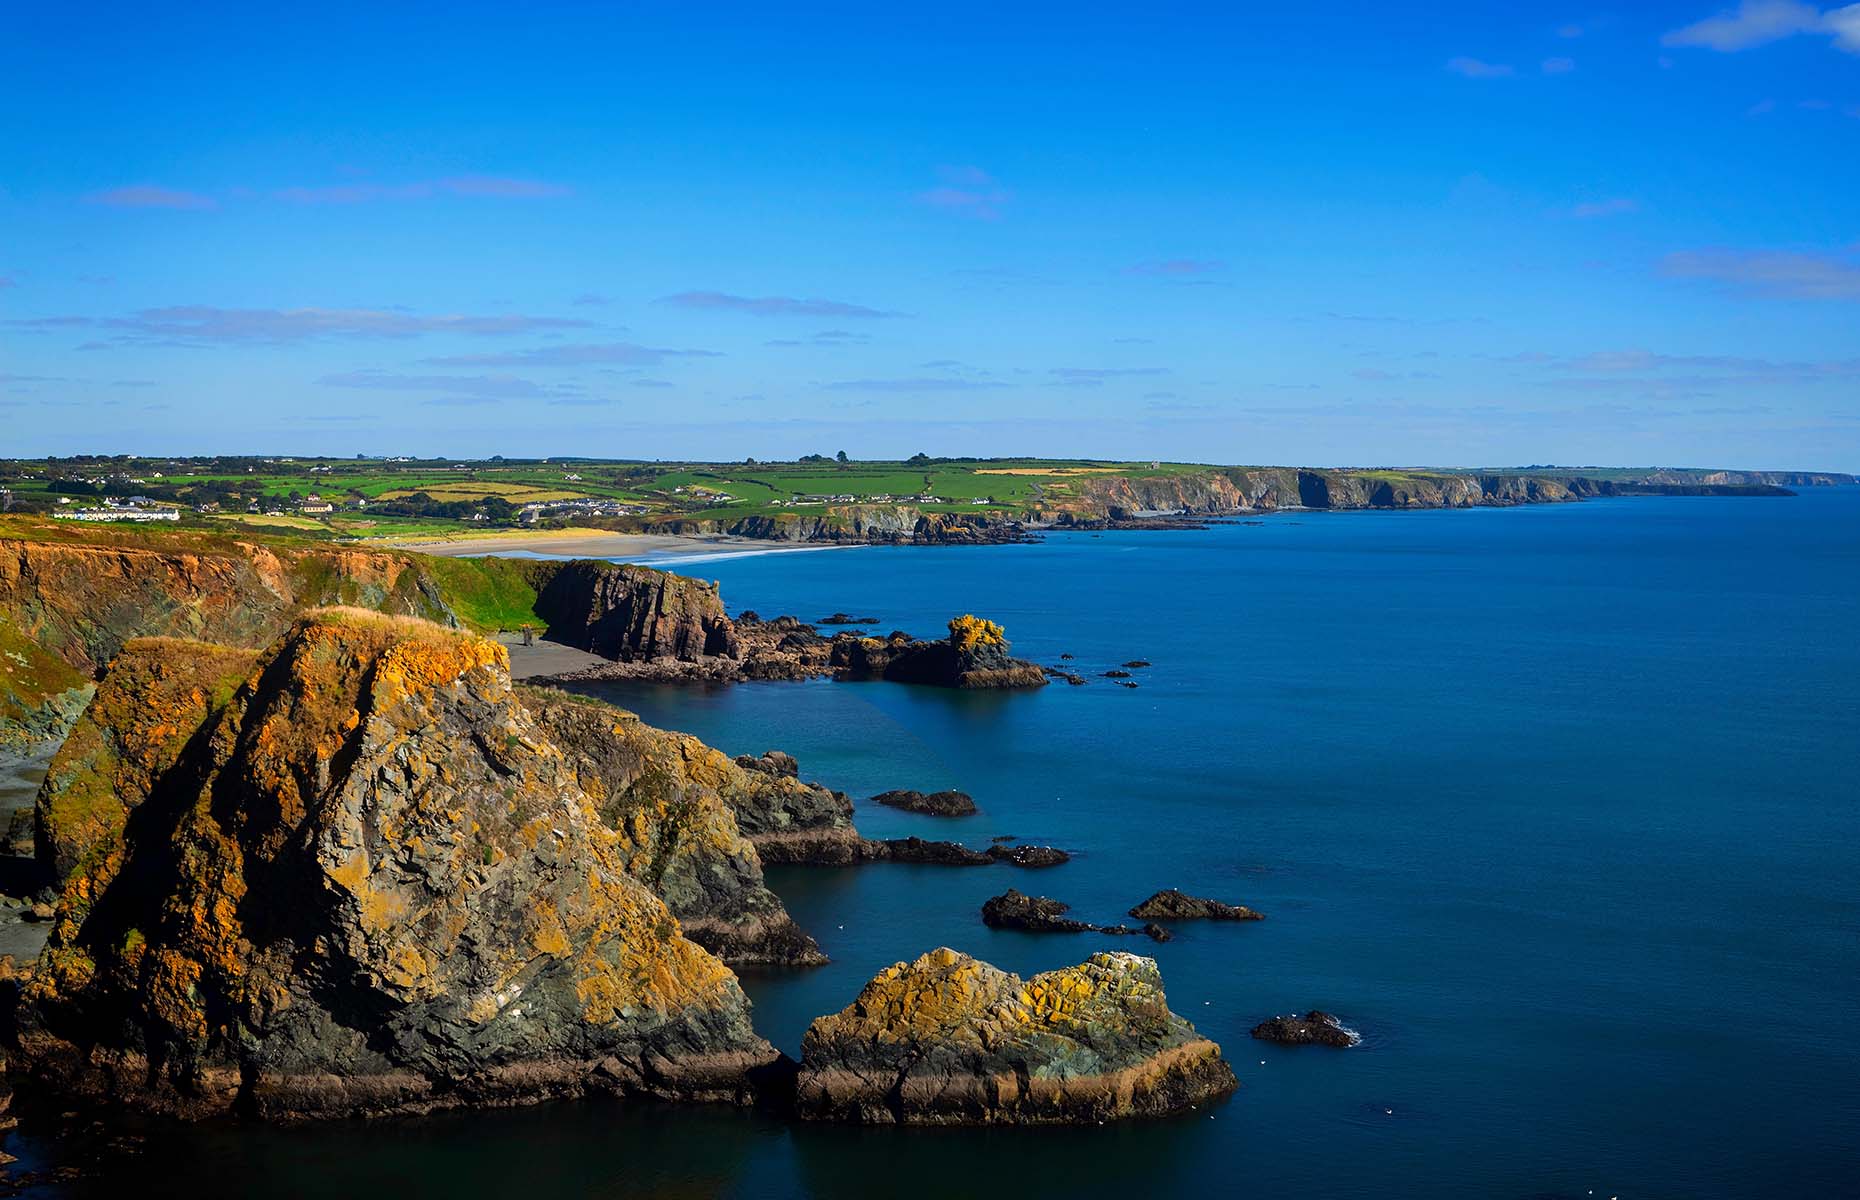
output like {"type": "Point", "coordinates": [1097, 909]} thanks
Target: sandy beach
{"type": "Point", "coordinates": [597, 543]}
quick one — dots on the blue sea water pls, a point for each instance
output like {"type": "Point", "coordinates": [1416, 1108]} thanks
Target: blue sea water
{"type": "Point", "coordinates": [1556, 805]}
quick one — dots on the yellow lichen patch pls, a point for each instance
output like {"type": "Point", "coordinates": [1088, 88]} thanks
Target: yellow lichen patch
{"type": "Point", "coordinates": [968, 632]}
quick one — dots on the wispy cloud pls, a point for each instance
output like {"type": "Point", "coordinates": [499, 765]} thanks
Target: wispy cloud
{"type": "Point", "coordinates": [624, 353]}
{"type": "Point", "coordinates": [1094, 376]}
{"type": "Point", "coordinates": [7, 281]}
{"type": "Point", "coordinates": [969, 191]}
{"type": "Point", "coordinates": [1772, 274]}
{"type": "Point", "coordinates": [1558, 65]}
{"type": "Point", "coordinates": [1177, 267]}
{"type": "Point", "coordinates": [773, 306]}
{"type": "Point", "coordinates": [199, 324]}
{"type": "Point", "coordinates": [149, 195]}
{"type": "Point", "coordinates": [1613, 207]}
{"type": "Point", "coordinates": [1760, 22]}
{"type": "Point", "coordinates": [826, 337]}
{"type": "Point", "coordinates": [1474, 68]}
{"type": "Point", "coordinates": [473, 387]}
{"type": "Point", "coordinates": [592, 300]}
{"type": "Point", "coordinates": [918, 384]}
{"type": "Point", "coordinates": [481, 186]}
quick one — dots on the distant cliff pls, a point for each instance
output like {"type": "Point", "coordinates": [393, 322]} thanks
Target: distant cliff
{"type": "Point", "coordinates": [862, 524]}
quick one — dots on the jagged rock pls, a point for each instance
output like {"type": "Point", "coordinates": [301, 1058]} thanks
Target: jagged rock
{"type": "Point", "coordinates": [1042, 914]}
{"type": "Point", "coordinates": [1030, 856]}
{"type": "Point", "coordinates": [633, 614]}
{"type": "Point", "coordinates": [154, 699]}
{"type": "Point", "coordinates": [975, 655]}
{"type": "Point", "coordinates": [933, 804]}
{"type": "Point", "coordinates": [1172, 905]}
{"type": "Point", "coordinates": [679, 837]}
{"type": "Point", "coordinates": [840, 618]}
{"type": "Point", "coordinates": [1071, 677]}
{"type": "Point", "coordinates": [1313, 1029]}
{"type": "Point", "coordinates": [1137, 662]}
{"type": "Point", "coordinates": [950, 1040]}
{"type": "Point", "coordinates": [373, 885]}
{"type": "Point", "coordinates": [772, 762]}
{"type": "Point", "coordinates": [1116, 673]}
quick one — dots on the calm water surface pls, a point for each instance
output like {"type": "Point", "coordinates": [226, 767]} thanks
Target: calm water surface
{"type": "Point", "coordinates": [1556, 805]}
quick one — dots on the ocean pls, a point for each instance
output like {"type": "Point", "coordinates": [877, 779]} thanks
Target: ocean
{"type": "Point", "coordinates": [1555, 805]}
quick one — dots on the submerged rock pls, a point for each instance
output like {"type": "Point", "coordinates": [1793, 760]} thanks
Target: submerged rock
{"type": "Point", "coordinates": [950, 1040]}
{"type": "Point", "coordinates": [840, 618]}
{"type": "Point", "coordinates": [954, 854]}
{"type": "Point", "coordinates": [372, 883]}
{"type": "Point", "coordinates": [1313, 1029]}
{"type": "Point", "coordinates": [1172, 905]}
{"type": "Point", "coordinates": [933, 804]}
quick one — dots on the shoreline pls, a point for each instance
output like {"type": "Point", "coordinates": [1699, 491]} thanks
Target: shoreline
{"type": "Point", "coordinates": [643, 549]}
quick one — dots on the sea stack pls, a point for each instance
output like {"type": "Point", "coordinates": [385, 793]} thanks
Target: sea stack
{"type": "Point", "coordinates": [949, 1040]}
{"type": "Point", "coordinates": [370, 883]}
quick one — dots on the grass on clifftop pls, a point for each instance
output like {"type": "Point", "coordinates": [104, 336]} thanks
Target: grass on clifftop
{"type": "Point", "coordinates": [486, 594]}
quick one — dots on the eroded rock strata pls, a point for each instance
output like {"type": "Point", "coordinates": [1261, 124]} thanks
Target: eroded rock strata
{"type": "Point", "coordinates": [373, 884]}
{"type": "Point", "coordinates": [1172, 905]}
{"type": "Point", "coordinates": [664, 794]}
{"type": "Point", "coordinates": [950, 1040]}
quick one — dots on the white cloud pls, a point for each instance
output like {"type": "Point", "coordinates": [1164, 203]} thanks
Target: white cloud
{"type": "Point", "coordinates": [1474, 68]}
{"type": "Point", "coordinates": [1772, 274]}
{"type": "Point", "coordinates": [1760, 22]}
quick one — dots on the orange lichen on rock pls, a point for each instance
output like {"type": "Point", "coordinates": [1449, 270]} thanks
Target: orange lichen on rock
{"type": "Point", "coordinates": [948, 1039]}
{"type": "Point", "coordinates": [370, 875]}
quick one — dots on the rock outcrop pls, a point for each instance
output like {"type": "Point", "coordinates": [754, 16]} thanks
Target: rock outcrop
{"type": "Point", "coordinates": [975, 655]}
{"type": "Point", "coordinates": [1042, 914]}
{"type": "Point", "coordinates": [664, 794]}
{"type": "Point", "coordinates": [373, 884]}
{"type": "Point", "coordinates": [1172, 905]}
{"type": "Point", "coordinates": [154, 700]}
{"type": "Point", "coordinates": [633, 614]}
{"type": "Point", "coordinates": [948, 803]}
{"type": "Point", "coordinates": [1313, 1029]}
{"type": "Point", "coordinates": [949, 1040]}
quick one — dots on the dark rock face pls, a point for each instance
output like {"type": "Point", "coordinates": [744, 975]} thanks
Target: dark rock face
{"type": "Point", "coordinates": [772, 762]}
{"type": "Point", "coordinates": [953, 854]}
{"type": "Point", "coordinates": [633, 614]}
{"type": "Point", "coordinates": [933, 804]}
{"type": "Point", "coordinates": [1172, 905]}
{"type": "Point", "coordinates": [1042, 914]}
{"type": "Point", "coordinates": [840, 618]}
{"type": "Point", "coordinates": [1137, 662]}
{"type": "Point", "coordinates": [372, 885]}
{"type": "Point", "coordinates": [948, 1040]}
{"type": "Point", "coordinates": [975, 655]}
{"type": "Point", "coordinates": [1313, 1029]}
{"type": "Point", "coordinates": [678, 836]}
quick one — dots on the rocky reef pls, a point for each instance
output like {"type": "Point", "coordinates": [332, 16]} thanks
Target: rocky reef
{"type": "Point", "coordinates": [1041, 914]}
{"type": "Point", "coordinates": [370, 883]}
{"type": "Point", "coordinates": [948, 803]}
{"type": "Point", "coordinates": [975, 655]}
{"type": "Point", "coordinates": [1313, 1029]}
{"type": "Point", "coordinates": [950, 1040]}
{"type": "Point", "coordinates": [1172, 905]}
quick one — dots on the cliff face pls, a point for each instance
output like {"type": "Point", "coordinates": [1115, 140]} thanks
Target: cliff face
{"type": "Point", "coordinates": [863, 524]}
{"type": "Point", "coordinates": [950, 1040]}
{"type": "Point", "coordinates": [154, 700]}
{"type": "Point", "coordinates": [630, 614]}
{"type": "Point", "coordinates": [67, 608]}
{"type": "Point", "coordinates": [664, 794]}
{"type": "Point", "coordinates": [373, 884]}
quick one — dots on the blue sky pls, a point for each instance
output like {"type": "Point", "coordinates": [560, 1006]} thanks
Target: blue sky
{"type": "Point", "coordinates": [1354, 234]}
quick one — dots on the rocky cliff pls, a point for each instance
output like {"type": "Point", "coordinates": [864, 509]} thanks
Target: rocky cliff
{"type": "Point", "coordinates": [373, 883]}
{"type": "Point", "coordinates": [632, 614]}
{"type": "Point", "coordinates": [665, 794]}
{"type": "Point", "coordinates": [864, 524]}
{"type": "Point", "coordinates": [950, 1040]}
